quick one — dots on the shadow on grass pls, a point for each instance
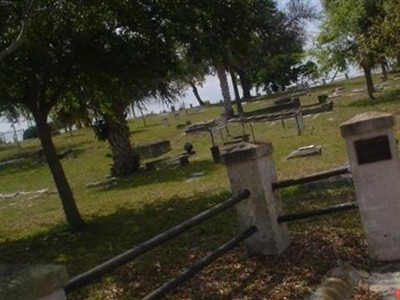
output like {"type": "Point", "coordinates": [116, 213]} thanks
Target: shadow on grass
{"type": "Point", "coordinates": [67, 135]}
{"type": "Point", "coordinates": [34, 161]}
{"type": "Point", "coordinates": [313, 252]}
{"type": "Point", "coordinates": [307, 197]}
{"type": "Point", "coordinates": [26, 164]}
{"type": "Point", "coordinates": [381, 98]}
{"type": "Point", "coordinates": [163, 175]}
{"type": "Point", "coordinates": [138, 131]}
{"type": "Point", "coordinates": [147, 126]}
{"type": "Point", "coordinates": [110, 235]}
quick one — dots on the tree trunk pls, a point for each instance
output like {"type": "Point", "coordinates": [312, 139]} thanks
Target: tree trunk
{"type": "Point", "coordinates": [125, 162]}
{"type": "Point", "coordinates": [245, 84]}
{"type": "Point", "coordinates": [70, 130]}
{"type": "Point", "coordinates": [223, 82]}
{"type": "Point", "coordinates": [239, 107]}
{"type": "Point", "coordinates": [64, 190]}
{"type": "Point", "coordinates": [142, 114]}
{"type": "Point", "coordinates": [196, 93]}
{"type": "Point", "coordinates": [132, 109]}
{"type": "Point", "coordinates": [384, 71]}
{"type": "Point", "coordinates": [398, 60]}
{"type": "Point", "coordinates": [334, 76]}
{"type": "Point", "coordinates": [369, 82]}
{"type": "Point", "coordinates": [15, 135]}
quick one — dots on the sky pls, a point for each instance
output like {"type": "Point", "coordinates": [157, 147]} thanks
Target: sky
{"type": "Point", "coordinates": [210, 90]}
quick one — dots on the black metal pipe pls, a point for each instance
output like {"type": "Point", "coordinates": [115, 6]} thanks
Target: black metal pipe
{"type": "Point", "coordinates": [201, 264]}
{"type": "Point", "coordinates": [310, 178]}
{"type": "Point", "coordinates": [121, 259]}
{"type": "Point", "coordinates": [317, 212]}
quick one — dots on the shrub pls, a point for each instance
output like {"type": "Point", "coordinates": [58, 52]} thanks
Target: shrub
{"type": "Point", "coordinates": [30, 132]}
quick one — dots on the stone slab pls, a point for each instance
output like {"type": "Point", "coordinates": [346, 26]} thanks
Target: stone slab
{"type": "Point", "coordinates": [27, 282]}
{"type": "Point", "coordinates": [306, 151]}
{"type": "Point", "coordinates": [366, 122]}
{"type": "Point", "coordinates": [245, 151]}
{"type": "Point", "coordinates": [339, 285]}
{"type": "Point", "coordinates": [153, 149]}
{"type": "Point", "coordinates": [385, 282]}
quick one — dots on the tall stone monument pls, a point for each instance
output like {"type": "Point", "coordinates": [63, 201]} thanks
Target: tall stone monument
{"type": "Point", "coordinates": [374, 162]}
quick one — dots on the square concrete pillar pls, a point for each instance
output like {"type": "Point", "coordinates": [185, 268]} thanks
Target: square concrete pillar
{"type": "Point", "coordinates": [40, 282]}
{"type": "Point", "coordinates": [375, 166]}
{"type": "Point", "coordinates": [250, 167]}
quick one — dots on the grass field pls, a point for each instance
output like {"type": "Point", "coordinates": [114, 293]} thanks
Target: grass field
{"type": "Point", "coordinates": [33, 229]}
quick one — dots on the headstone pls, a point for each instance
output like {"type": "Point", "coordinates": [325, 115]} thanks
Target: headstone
{"type": "Point", "coordinates": [215, 153]}
{"type": "Point", "coordinates": [184, 160]}
{"type": "Point", "coordinates": [306, 151]}
{"type": "Point", "coordinates": [164, 122]}
{"type": "Point", "coordinates": [375, 166]}
{"type": "Point", "coordinates": [322, 98]}
{"type": "Point", "coordinates": [251, 167]}
{"type": "Point", "coordinates": [153, 149]}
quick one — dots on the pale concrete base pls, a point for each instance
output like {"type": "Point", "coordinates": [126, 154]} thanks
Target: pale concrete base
{"type": "Point", "coordinates": [339, 285]}
{"type": "Point", "coordinates": [375, 166]}
{"type": "Point", "coordinates": [250, 167]}
{"type": "Point", "coordinates": [385, 284]}
{"type": "Point", "coordinates": [57, 295]}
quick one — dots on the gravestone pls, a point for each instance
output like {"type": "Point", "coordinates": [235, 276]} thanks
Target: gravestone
{"type": "Point", "coordinates": [375, 166]}
{"type": "Point", "coordinates": [250, 167]}
{"type": "Point", "coordinates": [153, 149]}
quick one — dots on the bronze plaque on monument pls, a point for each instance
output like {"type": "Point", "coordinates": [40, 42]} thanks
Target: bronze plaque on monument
{"type": "Point", "coordinates": [373, 150]}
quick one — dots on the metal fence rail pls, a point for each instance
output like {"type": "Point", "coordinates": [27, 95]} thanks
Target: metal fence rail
{"type": "Point", "coordinates": [119, 260]}
{"type": "Point", "coordinates": [317, 212]}
{"type": "Point", "coordinates": [310, 178]}
{"type": "Point", "coordinates": [201, 264]}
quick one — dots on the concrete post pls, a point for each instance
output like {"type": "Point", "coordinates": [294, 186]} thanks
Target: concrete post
{"type": "Point", "coordinates": [43, 282]}
{"type": "Point", "coordinates": [250, 167]}
{"type": "Point", "coordinates": [375, 167]}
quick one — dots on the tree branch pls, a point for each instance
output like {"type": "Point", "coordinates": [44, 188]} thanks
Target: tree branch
{"type": "Point", "coordinates": [17, 43]}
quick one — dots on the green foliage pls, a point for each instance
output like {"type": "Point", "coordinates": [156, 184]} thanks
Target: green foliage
{"type": "Point", "coordinates": [30, 132]}
{"type": "Point", "coordinates": [384, 33]}
{"type": "Point", "coordinates": [274, 50]}
{"type": "Point", "coordinates": [126, 213]}
{"type": "Point", "coordinates": [100, 128]}
{"type": "Point", "coordinates": [361, 31]}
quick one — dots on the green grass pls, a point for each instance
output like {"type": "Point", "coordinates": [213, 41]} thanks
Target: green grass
{"type": "Point", "coordinates": [33, 230]}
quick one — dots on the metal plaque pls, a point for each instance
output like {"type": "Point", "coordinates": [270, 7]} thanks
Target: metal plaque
{"type": "Point", "coordinates": [373, 150]}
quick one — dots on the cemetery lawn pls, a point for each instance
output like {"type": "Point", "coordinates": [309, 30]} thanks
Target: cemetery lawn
{"type": "Point", "coordinates": [132, 210]}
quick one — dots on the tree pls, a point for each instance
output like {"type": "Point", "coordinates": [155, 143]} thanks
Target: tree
{"type": "Point", "coordinates": [69, 112]}
{"type": "Point", "coordinates": [348, 33]}
{"type": "Point", "coordinates": [145, 64]}
{"type": "Point", "coordinates": [37, 73]}
{"type": "Point", "coordinates": [384, 31]}
{"type": "Point", "coordinates": [274, 51]}
{"type": "Point", "coordinates": [12, 115]}
{"type": "Point", "coordinates": [209, 35]}
{"type": "Point", "coordinates": [84, 49]}
{"type": "Point", "coordinates": [193, 74]}
{"type": "Point", "coordinates": [25, 16]}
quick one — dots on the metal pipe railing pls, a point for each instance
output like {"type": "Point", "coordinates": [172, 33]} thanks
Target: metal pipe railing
{"type": "Point", "coordinates": [311, 178]}
{"type": "Point", "coordinates": [317, 212]}
{"type": "Point", "coordinates": [201, 264]}
{"type": "Point", "coordinates": [119, 260]}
